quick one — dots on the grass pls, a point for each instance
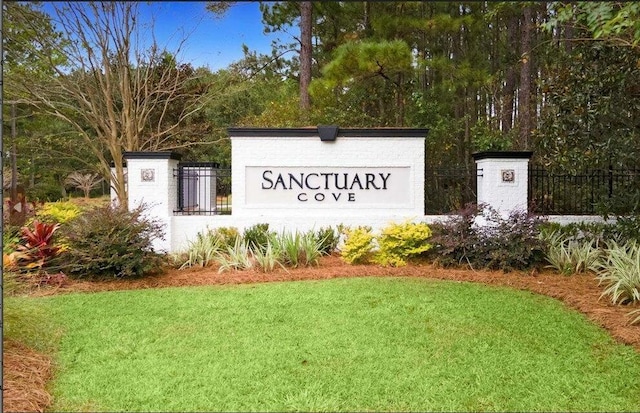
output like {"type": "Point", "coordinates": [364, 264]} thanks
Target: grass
{"type": "Point", "coordinates": [28, 321]}
{"type": "Point", "coordinates": [342, 345]}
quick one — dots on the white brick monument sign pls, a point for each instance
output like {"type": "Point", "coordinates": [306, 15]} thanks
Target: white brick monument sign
{"type": "Point", "coordinates": [345, 172]}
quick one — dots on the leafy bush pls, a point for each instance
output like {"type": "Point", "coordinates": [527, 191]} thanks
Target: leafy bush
{"type": "Point", "coordinates": [481, 238]}
{"type": "Point", "coordinates": [358, 245]}
{"type": "Point", "coordinates": [399, 242]}
{"type": "Point", "coordinates": [203, 251]}
{"type": "Point", "coordinates": [454, 239]}
{"type": "Point", "coordinates": [58, 212]}
{"type": "Point", "coordinates": [226, 235]}
{"type": "Point", "coordinates": [568, 255]}
{"type": "Point", "coordinates": [111, 242]}
{"type": "Point", "coordinates": [622, 230]}
{"type": "Point", "coordinates": [257, 237]}
{"type": "Point", "coordinates": [619, 270]}
{"type": "Point", "coordinates": [328, 238]}
{"type": "Point", "coordinates": [627, 229]}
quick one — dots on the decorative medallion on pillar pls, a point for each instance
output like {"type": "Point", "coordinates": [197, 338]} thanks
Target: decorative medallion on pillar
{"type": "Point", "coordinates": [148, 175]}
{"type": "Point", "coordinates": [508, 175]}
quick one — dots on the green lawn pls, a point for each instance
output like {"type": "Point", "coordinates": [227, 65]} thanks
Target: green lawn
{"type": "Point", "coordinates": [367, 344]}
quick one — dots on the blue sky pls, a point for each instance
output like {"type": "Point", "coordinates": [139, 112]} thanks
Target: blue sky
{"type": "Point", "coordinates": [212, 41]}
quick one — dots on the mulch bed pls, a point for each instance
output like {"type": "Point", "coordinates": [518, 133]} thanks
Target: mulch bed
{"type": "Point", "coordinates": [25, 375]}
{"type": "Point", "coordinates": [580, 292]}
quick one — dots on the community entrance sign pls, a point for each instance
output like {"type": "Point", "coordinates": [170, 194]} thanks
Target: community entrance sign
{"type": "Point", "coordinates": [307, 179]}
{"type": "Point", "coordinates": [354, 172]}
{"type": "Point", "coordinates": [301, 185]}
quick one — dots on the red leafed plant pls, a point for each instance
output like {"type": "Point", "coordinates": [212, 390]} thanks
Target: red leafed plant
{"type": "Point", "coordinates": [38, 244]}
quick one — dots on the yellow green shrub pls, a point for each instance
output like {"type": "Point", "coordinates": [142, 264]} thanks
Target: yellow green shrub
{"type": "Point", "coordinates": [226, 235]}
{"type": "Point", "coordinates": [401, 242]}
{"type": "Point", "coordinates": [358, 245]}
{"type": "Point", "coordinates": [58, 212]}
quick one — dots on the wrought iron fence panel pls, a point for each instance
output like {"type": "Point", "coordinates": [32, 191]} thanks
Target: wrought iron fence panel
{"type": "Point", "coordinates": [203, 189]}
{"type": "Point", "coordinates": [590, 192]}
{"type": "Point", "coordinates": [447, 190]}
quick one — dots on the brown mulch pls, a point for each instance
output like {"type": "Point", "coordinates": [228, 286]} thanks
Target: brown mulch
{"type": "Point", "coordinates": [580, 292]}
{"type": "Point", "coordinates": [25, 375]}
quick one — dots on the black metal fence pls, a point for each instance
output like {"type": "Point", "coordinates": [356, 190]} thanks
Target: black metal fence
{"type": "Point", "coordinates": [203, 189]}
{"type": "Point", "coordinates": [449, 189]}
{"type": "Point", "coordinates": [591, 192]}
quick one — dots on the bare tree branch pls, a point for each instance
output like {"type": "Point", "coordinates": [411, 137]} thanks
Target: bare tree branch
{"type": "Point", "coordinates": [118, 92]}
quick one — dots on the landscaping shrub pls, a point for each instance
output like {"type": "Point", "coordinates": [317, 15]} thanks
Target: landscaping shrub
{"type": "Point", "coordinates": [268, 259]}
{"type": "Point", "coordinates": [111, 242]}
{"type": "Point", "coordinates": [237, 257]}
{"type": "Point", "coordinates": [328, 238]}
{"type": "Point", "coordinates": [202, 251]}
{"type": "Point", "coordinates": [257, 237]}
{"type": "Point", "coordinates": [358, 245]}
{"type": "Point", "coordinates": [58, 212]}
{"type": "Point", "coordinates": [400, 242]}
{"type": "Point", "coordinates": [569, 255]}
{"type": "Point", "coordinates": [627, 229]}
{"type": "Point", "coordinates": [36, 247]}
{"type": "Point", "coordinates": [311, 248]}
{"type": "Point", "coordinates": [296, 249]}
{"type": "Point", "coordinates": [619, 270]}
{"type": "Point", "coordinates": [454, 239]}
{"type": "Point", "coordinates": [226, 235]}
{"type": "Point", "coordinates": [480, 237]}
{"type": "Point", "coordinates": [623, 230]}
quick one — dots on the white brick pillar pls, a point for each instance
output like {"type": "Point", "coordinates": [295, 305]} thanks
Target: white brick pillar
{"type": "Point", "coordinates": [152, 182]}
{"type": "Point", "coordinates": [503, 180]}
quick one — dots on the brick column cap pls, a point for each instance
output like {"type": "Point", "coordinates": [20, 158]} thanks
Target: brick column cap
{"type": "Point", "coordinates": [152, 155]}
{"type": "Point", "coordinates": [502, 155]}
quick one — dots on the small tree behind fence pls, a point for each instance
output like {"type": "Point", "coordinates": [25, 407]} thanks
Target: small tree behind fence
{"type": "Point", "coordinates": [590, 192]}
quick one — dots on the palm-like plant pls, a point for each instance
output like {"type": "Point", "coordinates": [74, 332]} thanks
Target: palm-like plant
{"type": "Point", "coordinates": [619, 270]}
{"type": "Point", "coordinates": [38, 244]}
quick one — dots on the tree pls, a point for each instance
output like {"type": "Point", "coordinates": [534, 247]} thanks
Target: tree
{"type": "Point", "coordinates": [83, 181]}
{"type": "Point", "coordinates": [617, 23]}
{"type": "Point", "coordinates": [306, 22]}
{"type": "Point", "coordinates": [524, 95]}
{"type": "Point", "coordinates": [118, 93]}
{"type": "Point", "coordinates": [27, 129]}
{"type": "Point", "coordinates": [379, 68]}
{"type": "Point", "coordinates": [590, 117]}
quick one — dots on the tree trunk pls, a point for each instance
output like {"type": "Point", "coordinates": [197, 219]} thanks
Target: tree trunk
{"type": "Point", "coordinates": [14, 158]}
{"type": "Point", "coordinates": [524, 95]}
{"type": "Point", "coordinates": [306, 9]}
{"type": "Point", "coordinates": [510, 77]}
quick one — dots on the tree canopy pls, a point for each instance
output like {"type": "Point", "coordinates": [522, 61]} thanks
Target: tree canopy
{"type": "Point", "coordinates": [556, 78]}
